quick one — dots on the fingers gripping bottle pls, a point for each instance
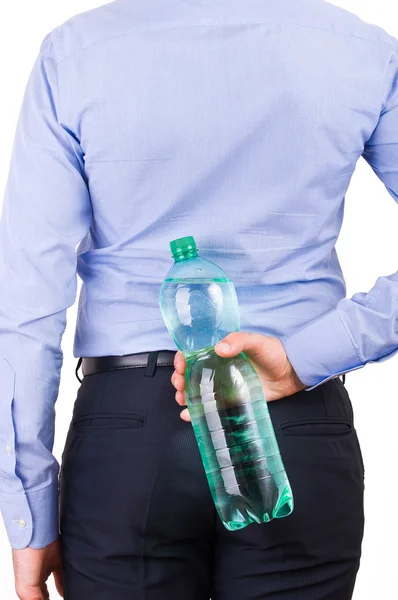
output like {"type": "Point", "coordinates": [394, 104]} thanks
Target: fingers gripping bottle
{"type": "Point", "coordinates": [226, 402]}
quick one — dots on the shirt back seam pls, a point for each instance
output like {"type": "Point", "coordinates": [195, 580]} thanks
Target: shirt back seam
{"type": "Point", "coordinates": [216, 24]}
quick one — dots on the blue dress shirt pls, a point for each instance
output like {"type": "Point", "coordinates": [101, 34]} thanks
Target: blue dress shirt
{"type": "Point", "coordinates": [239, 123]}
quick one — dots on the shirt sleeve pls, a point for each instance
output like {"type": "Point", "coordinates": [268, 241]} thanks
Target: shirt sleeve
{"type": "Point", "coordinates": [46, 212]}
{"type": "Point", "coordinates": [364, 328]}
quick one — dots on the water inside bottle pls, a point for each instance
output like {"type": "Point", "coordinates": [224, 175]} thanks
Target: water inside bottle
{"type": "Point", "coordinates": [225, 398]}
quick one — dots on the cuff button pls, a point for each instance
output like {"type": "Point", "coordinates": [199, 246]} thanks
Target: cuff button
{"type": "Point", "coordinates": [20, 522]}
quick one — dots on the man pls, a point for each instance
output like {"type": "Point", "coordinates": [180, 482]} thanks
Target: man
{"type": "Point", "coordinates": [239, 123]}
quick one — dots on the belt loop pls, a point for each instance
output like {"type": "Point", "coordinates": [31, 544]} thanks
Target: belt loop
{"type": "Point", "coordinates": [343, 378]}
{"type": "Point", "coordinates": [79, 362]}
{"type": "Point", "coordinates": [151, 363]}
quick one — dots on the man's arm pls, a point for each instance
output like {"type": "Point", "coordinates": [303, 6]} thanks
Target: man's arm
{"type": "Point", "coordinates": [364, 328]}
{"type": "Point", "coordinates": [46, 212]}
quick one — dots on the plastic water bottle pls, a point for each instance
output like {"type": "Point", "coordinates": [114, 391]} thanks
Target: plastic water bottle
{"type": "Point", "coordinates": [225, 399]}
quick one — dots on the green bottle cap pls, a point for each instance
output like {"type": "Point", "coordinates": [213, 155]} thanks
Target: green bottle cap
{"type": "Point", "coordinates": [183, 245]}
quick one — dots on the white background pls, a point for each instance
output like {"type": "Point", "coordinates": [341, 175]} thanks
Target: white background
{"type": "Point", "coordinates": [367, 249]}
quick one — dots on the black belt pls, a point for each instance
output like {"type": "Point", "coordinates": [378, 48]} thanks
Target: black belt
{"type": "Point", "coordinates": [149, 360]}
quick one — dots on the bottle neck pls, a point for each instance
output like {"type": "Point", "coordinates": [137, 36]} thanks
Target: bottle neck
{"type": "Point", "coordinates": [185, 255]}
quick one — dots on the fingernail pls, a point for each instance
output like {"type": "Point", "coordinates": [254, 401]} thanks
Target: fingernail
{"type": "Point", "coordinates": [224, 347]}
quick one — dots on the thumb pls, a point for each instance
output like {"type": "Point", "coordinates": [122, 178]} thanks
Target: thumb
{"type": "Point", "coordinates": [59, 581]}
{"type": "Point", "coordinates": [251, 344]}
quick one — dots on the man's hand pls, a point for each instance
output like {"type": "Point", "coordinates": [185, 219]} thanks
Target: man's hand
{"type": "Point", "coordinates": [267, 356]}
{"type": "Point", "coordinates": [33, 567]}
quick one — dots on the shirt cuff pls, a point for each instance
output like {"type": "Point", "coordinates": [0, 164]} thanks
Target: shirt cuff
{"type": "Point", "coordinates": [321, 350]}
{"type": "Point", "coordinates": [31, 519]}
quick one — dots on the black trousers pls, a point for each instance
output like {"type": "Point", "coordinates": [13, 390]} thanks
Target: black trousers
{"type": "Point", "coordinates": [138, 522]}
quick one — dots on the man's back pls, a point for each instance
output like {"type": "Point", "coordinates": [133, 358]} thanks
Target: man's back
{"type": "Point", "coordinates": [239, 123]}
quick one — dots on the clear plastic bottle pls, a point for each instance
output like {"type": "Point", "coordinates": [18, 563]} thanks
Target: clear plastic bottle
{"type": "Point", "coordinates": [225, 398]}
